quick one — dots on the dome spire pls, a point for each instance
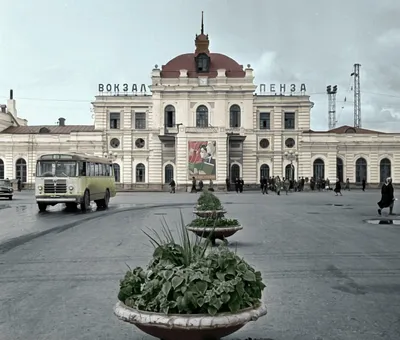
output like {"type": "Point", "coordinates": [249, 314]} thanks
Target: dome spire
{"type": "Point", "coordinates": [202, 22]}
{"type": "Point", "coordinates": [202, 41]}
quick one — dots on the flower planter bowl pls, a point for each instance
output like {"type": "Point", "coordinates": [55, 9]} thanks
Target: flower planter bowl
{"type": "Point", "coordinates": [220, 233]}
{"type": "Point", "coordinates": [188, 326]}
{"type": "Point", "coordinates": [210, 213]}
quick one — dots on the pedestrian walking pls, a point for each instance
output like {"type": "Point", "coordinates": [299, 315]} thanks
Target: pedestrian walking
{"type": "Point", "coordinates": [172, 184]}
{"type": "Point", "coordinates": [338, 187]}
{"type": "Point", "coordinates": [264, 185]}
{"type": "Point", "coordinates": [228, 184]}
{"type": "Point", "coordinates": [194, 189]}
{"type": "Point", "coordinates": [387, 197]}
{"type": "Point", "coordinates": [237, 184]}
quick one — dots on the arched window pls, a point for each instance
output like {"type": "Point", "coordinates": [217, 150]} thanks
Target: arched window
{"type": "Point", "coordinates": [169, 116]}
{"type": "Point", "coordinates": [339, 169]}
{"type": "Point", "coordinates": [385, 169]}
{"type": "Point", "coordinates": [169, 173]}
{"type": "Point", "coordinates": [234, 116]}
{"type": "Point", "coordinates": [350, 130]}
{"type": "Point", "coordinates": [117, 172]}
{"type": "Point", "coordinates": [264, 171]}
{"type": "Point", "coordinates": [1, 169]}
{"type": "Point", "coordinates": [235, 172]}
{"type": "Point", "coordinates": [289, 171]}
{"type": "Point", "coordinates": [203, 63]}
{"type": "Point", "coordinates": [202, 116]}
{"type": "Point", "coordinates": [361, 170]}
{"type": "Point", "coordinates": [140, 173]}
{"type": "Point", "coordinates": [319, 169]}
{"type": "Point", "coordinates": [20, 169]}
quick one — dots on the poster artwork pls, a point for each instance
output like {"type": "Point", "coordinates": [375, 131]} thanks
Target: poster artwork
{"type": "Point", "coordinates": [201, 160]}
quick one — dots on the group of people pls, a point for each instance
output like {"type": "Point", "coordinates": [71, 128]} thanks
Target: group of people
{"type": "Point", "coordinates": [277, 184]}
{"type": "Point", "coordinates": [239, 184]}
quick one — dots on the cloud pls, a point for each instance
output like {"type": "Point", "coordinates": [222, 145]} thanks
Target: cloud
{"type": "Point", "coordinates": [316, 42]}
{"type": "Point", "coordinates": [390, 38]}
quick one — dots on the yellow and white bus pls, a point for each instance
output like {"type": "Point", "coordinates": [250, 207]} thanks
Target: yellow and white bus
{"type": "Point", "coordinates": [74, 179]}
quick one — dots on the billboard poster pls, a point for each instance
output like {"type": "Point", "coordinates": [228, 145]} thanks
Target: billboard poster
{"type": "Point", "coordinates": [201, 160]}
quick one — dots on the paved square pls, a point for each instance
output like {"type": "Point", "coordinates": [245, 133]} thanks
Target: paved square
{"type": "Point", "coordinates": [329, 275]}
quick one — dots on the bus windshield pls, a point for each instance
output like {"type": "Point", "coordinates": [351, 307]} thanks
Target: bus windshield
{"type": "Point", "coordinates": [56, 169]}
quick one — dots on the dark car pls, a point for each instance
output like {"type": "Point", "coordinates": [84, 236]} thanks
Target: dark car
{"type": "Point", "coordinates": [6, 189]}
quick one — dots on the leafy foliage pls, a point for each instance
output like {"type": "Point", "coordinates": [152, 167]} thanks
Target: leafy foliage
{"type": "Point", "coordinates": [214, 222]}
{"type": "Point", "coordinates": [183, 278]}
{"type": "Point", "coordinates": [208, 201]}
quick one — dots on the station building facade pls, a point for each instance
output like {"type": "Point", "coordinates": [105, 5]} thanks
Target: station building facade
{"type": "Point", "coordinates": [202, 119]}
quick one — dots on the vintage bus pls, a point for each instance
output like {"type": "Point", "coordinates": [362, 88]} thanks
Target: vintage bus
{"type": "Point", "coordinates": [74, 179]}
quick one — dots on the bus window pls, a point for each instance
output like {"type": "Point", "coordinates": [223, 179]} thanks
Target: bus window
{"type": "Point", "coordinates": [82, 168]}
{"type": "Point", "coordinates": [92, 172]}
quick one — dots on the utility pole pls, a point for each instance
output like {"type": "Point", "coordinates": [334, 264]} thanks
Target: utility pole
{"type": "Point", "coordinates": [331, 91]}
{"type": "Point", "coordinates": [357, 96]}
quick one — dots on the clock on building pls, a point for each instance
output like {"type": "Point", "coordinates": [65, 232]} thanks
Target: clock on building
{"type": "Point", "coordinates": [203, 81]}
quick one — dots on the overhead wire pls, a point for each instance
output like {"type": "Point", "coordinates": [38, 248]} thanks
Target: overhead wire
{"type": "Point", "coordinates": [90, 101]}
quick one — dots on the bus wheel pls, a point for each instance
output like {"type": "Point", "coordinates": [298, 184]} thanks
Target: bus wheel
{"type": "Point", "coordinates": [85, 204]}
{"type": "Point", "coordinates": [42, 207]}
{"type": "Point", "coordinates": [103, 203]}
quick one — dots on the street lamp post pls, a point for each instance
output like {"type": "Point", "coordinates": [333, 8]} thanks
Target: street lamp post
{"type": "Point", "coordinates": [112, 156]}
{"type": "Point", "coordinates": [176, 156]}
{"type": "Point", "coordinates": [291, 156]}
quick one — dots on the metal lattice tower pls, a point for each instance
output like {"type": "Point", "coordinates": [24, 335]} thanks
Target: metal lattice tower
{"type": "Point", "coordinates": [357, 96]}
{"type": "Point", "coordinates": [331, 91]}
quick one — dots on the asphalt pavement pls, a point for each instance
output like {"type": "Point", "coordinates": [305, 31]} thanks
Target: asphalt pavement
{"type": "Point", "coordinates": [329, 275]}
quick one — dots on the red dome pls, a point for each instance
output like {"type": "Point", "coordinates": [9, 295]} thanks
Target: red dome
{"type": "Point", "coordinates": [187, 62]}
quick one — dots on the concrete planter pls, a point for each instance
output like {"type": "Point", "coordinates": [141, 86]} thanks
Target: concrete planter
{"type": "Point", "coordinates": [188, 326]}
{"type": "Point", "coordinates": [214, 233]}
{"type": "Point", "coordinates": [210, 213]}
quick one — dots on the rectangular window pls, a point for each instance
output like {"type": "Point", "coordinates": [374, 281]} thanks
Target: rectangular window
{"type": "Point", "coordinates": [235, 145]}
{"type": "Point", "coordinates": [115, 120]}
{"type": "Point", "coordinates": [289, 120]}
{"type": "Point", "coordinates": [140, 120]}
{"type": "Point", "coordinates": [265, 121]}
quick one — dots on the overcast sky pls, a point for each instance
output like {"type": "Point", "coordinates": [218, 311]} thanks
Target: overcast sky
{"type": "Point", "coordinates": [54, 53]}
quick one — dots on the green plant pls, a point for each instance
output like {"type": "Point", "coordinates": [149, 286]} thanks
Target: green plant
{"type": "Point", "coordinates": [214, 222]}
{"type": "Point", "coordinates": [182, 278]}
{"type": "Point", "coordinates": [208, 201]}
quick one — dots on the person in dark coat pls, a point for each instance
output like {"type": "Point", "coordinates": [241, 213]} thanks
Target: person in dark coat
{"type": "Point", "coordinates": [264, 185]}
{"type": "Point", "coordinates": [387, 198]}
{"type": "Point", "coordinates": [237, 185]}
{"type": "Point", "coordinates": [172, 184]}
{"type": "Point", "coordinates": [241, 185]}
{"type": "Point", "coordinates": [228, 184]}
{"type": "Point", "coordinates": [338, 187]}
{"type": "Point", "coordinates": [194, 189]}
{"type": "Point", "coordinates": [19, 184]}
